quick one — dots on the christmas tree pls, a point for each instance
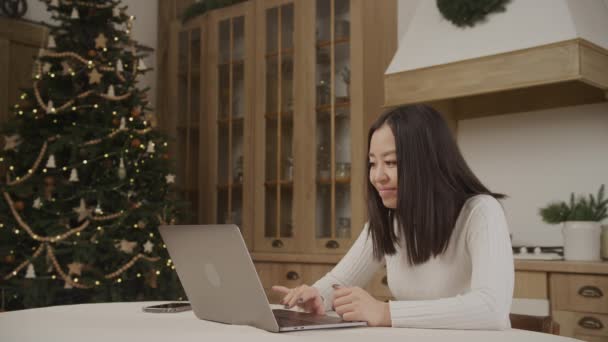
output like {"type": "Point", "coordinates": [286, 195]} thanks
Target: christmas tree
{"type": "Point", "coordinates": [86, 174]}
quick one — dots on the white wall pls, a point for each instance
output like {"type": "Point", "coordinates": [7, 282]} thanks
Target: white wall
{"type": "Point", "coordinates": [538, 157]}
{"type": "Point", "coordinates": [144, 32]}
{"type": "Point", "coordinates": [533, 157]}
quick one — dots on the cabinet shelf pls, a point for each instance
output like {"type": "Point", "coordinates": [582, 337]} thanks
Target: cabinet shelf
{"type": "Point", "coordinates": [282, 183]}
{"type": "Point", "coordinates": [232, 62]}
{"type": "Point", "coordinates": [338, 180]}
{"type": "Point", "coordinates": [337, 41]}
{"type": "Point", "coordinates": [228, 186]}
{"type": "Point", "coordinates": [284, 115]}
{"type": "Point", "coordinates": [239, 120]}
{"type": "Point", "coordinates": [327, 107]}
{"type": "Point", "coordinates": [284, 52]}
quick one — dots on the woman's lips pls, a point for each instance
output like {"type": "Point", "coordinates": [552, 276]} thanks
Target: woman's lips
{"type": "Point", "coordinates": [387, 192]}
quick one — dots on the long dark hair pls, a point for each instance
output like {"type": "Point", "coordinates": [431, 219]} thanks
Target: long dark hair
{"type": "Point", "coordinates": [434, 182]}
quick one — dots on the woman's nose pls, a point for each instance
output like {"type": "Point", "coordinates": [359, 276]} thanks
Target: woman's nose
{"type": "Point", "coordinates": [379, 174]}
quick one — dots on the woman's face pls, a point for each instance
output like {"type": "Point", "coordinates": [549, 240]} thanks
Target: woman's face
{"type": "Point", "coordinates": [383, 165]}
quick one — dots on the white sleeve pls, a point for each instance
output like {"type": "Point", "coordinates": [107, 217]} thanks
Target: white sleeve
{"type": "Point", "coordinates": [356, 268]}
{"type": "Point", "coordinates": [487, 304]}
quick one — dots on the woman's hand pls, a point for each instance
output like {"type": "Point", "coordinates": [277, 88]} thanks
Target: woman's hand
{"type": "Point", "coordinates": [355, 304]}
{"type": "Point", "coordinates": [304, 296]}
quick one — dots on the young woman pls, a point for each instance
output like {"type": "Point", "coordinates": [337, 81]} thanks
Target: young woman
{"type": "Point", "coordinates": [441, 233]}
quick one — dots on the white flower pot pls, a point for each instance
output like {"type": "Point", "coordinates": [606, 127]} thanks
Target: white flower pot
{"type": "Point", "coordinates": [582, 240]}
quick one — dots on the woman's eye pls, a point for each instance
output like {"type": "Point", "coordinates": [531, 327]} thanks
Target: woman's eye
{"type": "Point", "coordinates": [372, 164]}
{"type": "Point", "coordinates": [391, 162]}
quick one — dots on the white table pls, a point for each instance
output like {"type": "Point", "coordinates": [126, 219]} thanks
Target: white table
{"type": "Point", "coordinates": [126, 322]}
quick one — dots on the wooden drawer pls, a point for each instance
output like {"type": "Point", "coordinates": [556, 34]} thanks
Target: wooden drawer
{"type": "Point", "coordinates": [582, 293]}
{"type": "Point", "coordinates": [532, 285]}
{"type": "Point", "coordinates": [289, 275]}
{"type": "Point", "coordinates": [378, 287]}
{"type": "Point", "coordinates": [579, 324]}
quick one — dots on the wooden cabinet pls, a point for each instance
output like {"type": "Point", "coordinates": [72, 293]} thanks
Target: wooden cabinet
{"type": "Point", "coordinates": [20, 43]}
{"type": "Point", "coordinates": [577, 294]}
{"type": "Point", "coordinates": [270, 103]}
{"type": "Point", "coordinates": [580, 305]}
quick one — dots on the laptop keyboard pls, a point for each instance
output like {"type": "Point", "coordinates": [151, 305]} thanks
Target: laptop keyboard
{"type": "Point", "coordinates": [288, 318]}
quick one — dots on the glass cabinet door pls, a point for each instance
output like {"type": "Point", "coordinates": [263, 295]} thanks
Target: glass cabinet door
{"type": "Point", "coordinates": [333, 125]}
{"type": "Point", "coordinates": [276, 23]}
{"type": "Point", "coordinates": [189, 72]}
{"type": "Point", "coordinates": [230, 122]}
{"type": "Point", "coordinates": [231, 52]}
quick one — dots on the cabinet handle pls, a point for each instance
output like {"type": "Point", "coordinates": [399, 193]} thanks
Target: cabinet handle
{"type": "Point", "coordinates": [590, 292]}
{"type": "Point", "coordinates": [384, 281]}
{"type": "Point", "coordinates": [332, 244]}
{"type": "Point", "coordinates": [293, 275]}
{"type": "Point", "coordinates": [590, 323]}
{"type": "Point", "coordinates": [277, 243]}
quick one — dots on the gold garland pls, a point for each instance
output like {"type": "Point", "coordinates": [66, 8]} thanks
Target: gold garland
{"type": "Point", "coordinates": [67, 278]}
{"type": "Point", "coordinates": [130, 264]}
{"type": "Point", "coordinates": [47, 53]}
{"type": "Point", "coordinates": [32, 169]}
{"type": "Point", "coordinates": [107, 217]}
{"type": "Point", "coordinates": [35, 236]}
{"type": "Point", "coordinates": [99, 140]}
{"type": "Point", "coordinates": [25, 263]}
{"type": "Point", "coordinates": [143, 131]}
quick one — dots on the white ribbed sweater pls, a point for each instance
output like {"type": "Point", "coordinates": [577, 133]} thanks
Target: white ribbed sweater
{"type": "Point", "coordinates": [469, 286]}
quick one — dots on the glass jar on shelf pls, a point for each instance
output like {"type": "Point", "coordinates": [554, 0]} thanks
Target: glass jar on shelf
{"type": "Point", "coordinates": [342, 170]}
{"type": "Point", "coordinates": [343, 228]}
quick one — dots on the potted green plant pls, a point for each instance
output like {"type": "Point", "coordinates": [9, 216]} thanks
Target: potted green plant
{"type": "Point", "coordinates": [581, 218]}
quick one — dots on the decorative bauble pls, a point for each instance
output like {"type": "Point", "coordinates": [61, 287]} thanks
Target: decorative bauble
{"type": "Point", "coordinates": [136, 112]}
{"type": "Point", "coordinates": [116, 121]}
{"type": "Point", "coordinates": [469, 12]}
{"type": "Point", "coordinates": [92, 53]}
{"type": "Point", "coordinates": [9, 259]}
{"type": "Point", "coordinates": [108, 163]}
{"type": "Point", "coordinates": [19, 205]}
{"type": "Point", "coordinates": [165, 155]}
{"type": "Point", "coordinates": [49, 180]}
{"type": "Point", "coordinates": [135, 143]}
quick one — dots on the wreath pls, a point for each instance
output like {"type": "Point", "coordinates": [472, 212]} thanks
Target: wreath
{"type": "Point", "coordinates": [469, 12]}
{"type": "Point", "coordinates": [13, 8]}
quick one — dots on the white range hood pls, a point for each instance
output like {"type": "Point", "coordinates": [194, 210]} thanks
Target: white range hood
{"type": "Point", "coordinates": [533, 50]}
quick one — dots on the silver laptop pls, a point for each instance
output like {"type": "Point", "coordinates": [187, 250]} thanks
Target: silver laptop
{"type": "Point", "coordinates": [222, 285]}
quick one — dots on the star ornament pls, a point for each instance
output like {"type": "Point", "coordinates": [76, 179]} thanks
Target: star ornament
{"type": "Point", "coordinates": [170, 178]}
{"type": "Point", "coordinates": [75, 268]}
{"type": "Point", "coordinates": [82, 211]}
{"type": "Point", "coordinates": [94, 77]}
{"type": "Point", "coordinates": [11, 142]}
{"type": "Point", "coordinates": [148, 246]}
{"type": "Point", "coordinates": [126, 246]}
{"type": "Point", "coordinates": [101, 41]}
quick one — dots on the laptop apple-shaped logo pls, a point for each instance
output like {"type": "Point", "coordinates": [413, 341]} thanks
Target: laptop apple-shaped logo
{"type": "Point", "coordinates": [212, 276]}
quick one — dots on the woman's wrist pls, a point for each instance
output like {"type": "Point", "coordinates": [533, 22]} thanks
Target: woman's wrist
{"type": "Point", "coordinates": [386, 321]}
